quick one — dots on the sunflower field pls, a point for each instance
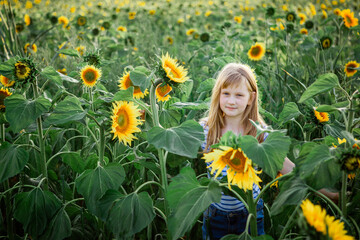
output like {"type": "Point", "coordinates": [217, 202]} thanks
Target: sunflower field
{"type": "Point", "coordinates": [100, 103]}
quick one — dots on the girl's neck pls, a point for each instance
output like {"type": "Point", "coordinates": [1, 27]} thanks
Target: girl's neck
{"type": "Point", "coordinates": [233, 124]}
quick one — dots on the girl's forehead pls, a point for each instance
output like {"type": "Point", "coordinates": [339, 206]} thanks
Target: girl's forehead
{"type": "Point", "coordinates": [234, 84]}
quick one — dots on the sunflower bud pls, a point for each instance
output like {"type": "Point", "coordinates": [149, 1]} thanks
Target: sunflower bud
{"type": "Point", "coordinates": [350, 160]}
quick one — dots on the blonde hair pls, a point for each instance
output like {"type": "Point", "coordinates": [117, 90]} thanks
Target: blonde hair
{"type": "Point", "coordinates": [233, 74]}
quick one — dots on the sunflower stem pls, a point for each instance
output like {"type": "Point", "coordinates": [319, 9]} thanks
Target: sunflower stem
{"type": "Point", "coordinates": [252, 213]}
{"type": "Point", "coordinates": [41, 140]}
{"type": "Point", "coordinates": [2, 132]}
{"type": "Point", "coordinates": [91, 99]}
{"type": "Point", "coordinates": [343, 193]}
{"type": "Point", "coordinates": [102, 145]}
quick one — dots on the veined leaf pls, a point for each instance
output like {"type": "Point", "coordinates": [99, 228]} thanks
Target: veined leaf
{"type": "Point", "coordinates": [206, 85]}
{"type": "Point", "coordinates": [139, 78]}
{"type": "Point", "coordinates": [21, 112]}
{"type": "Point", "coordinates": [189, 199]}
{"type": "Point", "coordinates": [183, 140]}
{"type": "Point", "coordinates": [324, 83]}
{"type": "Point", "coordinates": [124, 95]}
{"type": "Point", "coordinates": [50, 73]}
{"type": "Point", "coordinates": [12, 160]}
{"type": "Point", "coordinates": [290, 111]}
{"type": "Point", "coordinates": [59, 226]}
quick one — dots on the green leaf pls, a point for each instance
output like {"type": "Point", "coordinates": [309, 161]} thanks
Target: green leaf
{"type": "Point", "coordinates": [12, 161]}
{"type": "Point", "coordinates": [34, 210]}
{"type": "Point", "coordinates": [124, 95]}
{"type": "Point", "coordinates": [183, 140]}
{"type": "Point", "coordinates": [292, 192]}
{"type": "Point", "coordinates": [68, 110]}
{"type": "Point", "coordinates": [131, 214]}
{"type": "Point", "coordinates": [270, 154]}
{"type": "Point", "coordinates": [50, 73]}
{"type": "Point", "coordinates": [206, 86]}
{"type": "Point", "coordinates": [190, 105]}
{"type": "Point", "coordinates": [68, 78]}
{"type": "Point", "coordinates": [320, 169]}
{"type": "Point", "coordinates": [59, 226]}
{"type": "Point", "coordinates": [324, 83]}
{"type": "Point", "coordinates": [289, 112]}
{"type": "Point", "coordinates": [138, 78]}
{"type": "Point", "coordinates": [189, 199]}
{"type": "Point", "coordinates": [107, 201]}
{"type": "Point", "coordinates": [69, 52]}
{"type": "Point", "coordinates": [93, 183]}
{"type": "Point", "coordinates": [7, 68]}
{"type": "Point", "coordinates": [335, 107]}
{"type": "Point", "coordinates": [75, 161]}
{"type": "Point", "coordinates": [21, 112]}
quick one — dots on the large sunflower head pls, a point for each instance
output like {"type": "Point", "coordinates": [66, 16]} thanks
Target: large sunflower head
{"type": "Point", "coordinates": [321, 116]}
{"type": "Point", "coordinates": [325, 42]}
{"type": "Point", "coordinates": [256, 52]}
{"type": "Point", "coordinates": [125, 121]}
{"type": "Point", "coordinates": [4, 93]}
{"type": "Point", "coordinates": [6, 82]}
{"type": "Point", "coordinates": [349, 19]}
{"type": "Point", "coordinates": [351, 68]}
{"type": "Point", "coordinates": [25, 70]}
{"type": "Point", "coordinates": [162, 92]}
{"type": "Point", "coordinates": [125, 83]}
{"type": "Point", "coordinates": [81, 21]}
{"type": "Point", "coordinates": [90, 74]}
{"type": "Point", "coordinates": [240, 170]}
{"type": "Point", "coordinates": [173, 70]}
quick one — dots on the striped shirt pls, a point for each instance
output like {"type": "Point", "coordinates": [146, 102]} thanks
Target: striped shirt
{"type": "Point", "coordinates": [227, 203]}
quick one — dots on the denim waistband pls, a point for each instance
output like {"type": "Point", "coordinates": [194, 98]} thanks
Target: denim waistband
{"type": "Point", "coordinates": [214, 211]}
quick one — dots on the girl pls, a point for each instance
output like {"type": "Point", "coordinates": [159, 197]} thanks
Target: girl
{"type": "Point", "coordinates": [234, 102]}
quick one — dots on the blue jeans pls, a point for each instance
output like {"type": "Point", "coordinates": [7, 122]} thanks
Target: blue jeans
{"type": "Point", "coordinates": [217, 223]}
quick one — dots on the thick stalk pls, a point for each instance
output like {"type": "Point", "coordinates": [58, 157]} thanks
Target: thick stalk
{"type": "Point", "coordinates": [102, 145]}
{"type": "Point", "coordinates": [42, 161]}
{"type": "Point", "coordinates": [343, 193]}
{"type": "Point", "coordinates": [252, 211]}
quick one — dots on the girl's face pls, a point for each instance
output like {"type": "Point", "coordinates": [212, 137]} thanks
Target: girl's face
{"type": "Point", "coordinates": [234, 100]}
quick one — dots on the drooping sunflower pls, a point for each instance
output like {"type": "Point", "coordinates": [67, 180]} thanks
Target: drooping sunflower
{"type": "Point", "coordinates": [350, 68]}
{"type": "Point", "coordinates": [122, 29]}
{"type": "Point", "coordinates": [321, 116]}
{"type": "Point", "coordinates": [240, 170]}
{"type": "Point", "coordinates": [325, 42]}
{"type": "Point", "coordinates": [349, 158]}
{"type": "Point", "coordinates": [304, 31]}
{"type": "Point", "coordinates": [90, 74]}
{"type": "Point", "coordinates": [317, 218]}
{"type": "Point", "coordinates": [302, 17]}
{"type": "Point", "coordinates": [27, 20]}
{"type": "Point", "coordinates": [6, 82]}
{"type": "Point", "coordinates": [125, 121]}
{"type": "Point", "coordinates": [4, 93]}
{"type": "Point", "coordinates": [256, 52]}
{"type": "Point", "coordinates": [190, 31]}
{"type": "Point", "coordinates": [64, 21]}
{"type": "Point", "coordinates": [173, 70]}
{"type": "Point", "coordinates": [162, 92]}
{"type": "Point", "coordinates": [324, 14]}
{"type": "Point", "coordinates": [125, 83]}
{"type": "Point", "coordinates": [81, 21]}
{"type": "Point", "coordinates": [349, 19]}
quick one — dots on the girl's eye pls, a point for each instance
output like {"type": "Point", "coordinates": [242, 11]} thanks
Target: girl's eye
{"type": "Point", "coordinates": [225, 93]}
{"type": "Point", "coordinates": [238, 95]}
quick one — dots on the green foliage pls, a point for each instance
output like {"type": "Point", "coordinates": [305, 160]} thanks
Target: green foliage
{"type": "Point", "coordinates": [13, 160]}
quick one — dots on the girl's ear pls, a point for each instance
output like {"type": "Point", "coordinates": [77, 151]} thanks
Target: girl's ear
{"type": "Point", "coordinates": [251, 98]}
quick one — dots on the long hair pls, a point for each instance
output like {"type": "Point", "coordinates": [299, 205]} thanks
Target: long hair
{"type": "Point", "coordinates": [233, 74]}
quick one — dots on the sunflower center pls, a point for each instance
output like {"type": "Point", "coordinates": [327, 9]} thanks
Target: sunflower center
{"type": "Point", "coordinates": [351, 68]}
{"type": "Point", "coordinates": [348, 19]}
{"type": "Point", "coordinates": [137, 90]}
{"type": "Point", "coordinates": [163, 90]}
{"type": "Point", "coordinates": [22, 69]}
{"type": "Point", "coordinates": [326, 43]}
{"type": "Point", "coordinates": [3, 95]}
{"type": "Point", "coordinates": [90, 76]}
{"type": "Point", "coordinates": [123, 120]}
{"type": "Point", "coordinates": [255, 51]}
{"type": "Point", "coordinates": [237, 163]}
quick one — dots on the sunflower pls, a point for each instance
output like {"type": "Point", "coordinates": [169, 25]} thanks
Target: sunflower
{"type": "Point", "coordinates": [309, 24]}
{"type": "Point", "coordinates": [349, 158]}
{"type": "Point", "coordinates": [162, 92]}
{"type": "Point", "coordinates": [33, 47]}
{"type": "Point", "coordinates": [19, 27]}
{"type": "Point", "coordinates": [174, 71]}
{"type": "Point", "coordinates": [122, 29]}
{"type": "Point", "coordinates": [324, 14]}
{"type": "Point", "coordinates": [152, 12]}
{"type": "Point", "coordinates": [325, 42]}
{"type": "Point", "coordinates": [190, 31]}
{"type": "Point", "coordinates": [28, 5]}
{"type": "Point", "coordinates": [204, 37]}
{"type": "Point", "coordinates": [62, 71]}
{"type": "Point", "coordinates": [350, 68]}
{"type": "Point", "coordinates": [321, 116]}
{"type": "Point", "coordinates": [124, 121]}
{"type": "Point", "coordinates": [240, 170]}
{"type": "Point", "coordinates": [5, 81]}
{"type": "Point", "coordinates": [337, 12]}
{"type": "Point", "coordinates": [302, 18]}
{"type": "Point", "coordinates": [90, 74]}
{"type": "Point", "coordinates": [291, 17]}
{"type": "Point", "coordinates": [22, 70]}
{"type": "Point", "coordinates": [256, 52]}
{"type": "Point", "coordinates": [208, 13]}
{"type": "Point", "coordinates": [4, 93]}
{"type": "Point", "coordinates": [132, 15]}
{"type": "Point", "coordinates": [180, 20]}
{"type": "Point", "coordinates": [81, 21]}
{"type": "Point", "coordinates": [270, 11]}
{"type": "Point", "coordinates": [349, 19]}
{"type": "Point", "coordinates": [63, 20]}
{"type": "Point", "coordinates": [276, 184]}
{"type": "Point", "coordinates": [317, 218]}
{"type": "Point", "coordinates": [27, 20]}
{"type": "Point", "coordinates": [238, 19]}
{"type": "Point", "coordinates": [304, 31]}
{"type": "Point", "coordinates": [170, 40]}
{"type": "Point", "coordinates": [125, 83]}
{"type": "Point", "coordinates": [81, 50]}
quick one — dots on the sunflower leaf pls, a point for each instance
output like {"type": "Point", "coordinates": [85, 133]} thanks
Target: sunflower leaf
{"type": "Point", "coordinates": [68, 110]}
{"type": "Point", "coordinates": [93, 183]}
{"type": "Point", "coordinates": [12, 161]}
{"type": "Point", "coordinates": [50, 73]}
{"type": "Point", "coordinates": [189, 199]}
{"type": "Point", "coordinates": [21, 112]}
{"type": "Point", "coordinates": [206, 85]}
{"type": "Point", "coordinates": [289, 112]}
{"type": "Point", "coordinates": [324, 83]}
{"type": "Point", "coordinates": [124, 95]}
{"type": "Point", "coordinates": [183, 140]}
{"type": "Point", "coordinates": [139, 78]}
{"type": "Point", "coordinates": [59, 227]}
{"type": "Point", "coordinates": [270, 154]}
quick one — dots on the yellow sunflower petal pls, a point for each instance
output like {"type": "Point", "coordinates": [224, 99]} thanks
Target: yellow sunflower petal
{"type": "Point", "coordinates": [90, 74]}
{"type": "Point", "coordinates": [173, 70]}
